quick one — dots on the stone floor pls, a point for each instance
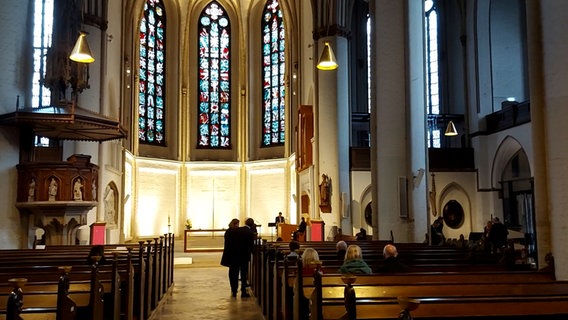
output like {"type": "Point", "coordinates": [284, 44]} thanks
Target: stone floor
{"type": "Point", "coordinates": [201, 291]}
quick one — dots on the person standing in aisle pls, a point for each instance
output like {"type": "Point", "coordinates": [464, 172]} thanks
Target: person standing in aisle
{"type": "Point", "coordinates": [245, 242]}
{"type": "Point", "coordinates": [230, 256]}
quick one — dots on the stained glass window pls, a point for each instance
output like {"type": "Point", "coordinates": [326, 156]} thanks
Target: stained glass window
{"type": "Point", "coordinates": [273, 70]}
{"type": "Point", "coordinates": [214, 90]}
{"type": "Point", "coordinates": [151, 91]}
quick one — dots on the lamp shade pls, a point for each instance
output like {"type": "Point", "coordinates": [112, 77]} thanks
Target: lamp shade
{"type": "Point", "coordinates": [451, 130]}
{"type": "Point", "coordinates": [81, 52]}
{"type": "Point", "coordinates": [327, 59]}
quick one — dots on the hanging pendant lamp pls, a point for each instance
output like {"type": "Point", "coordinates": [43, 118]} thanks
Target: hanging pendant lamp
{"type": "Point", "coordinates": [81, 51]}
{"type": "Point", "coordinates": [451, 130]}
{"type": "Point", "coordinates": [327, 59]}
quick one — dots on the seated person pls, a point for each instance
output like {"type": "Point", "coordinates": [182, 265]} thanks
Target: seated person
{"type": "Point", "coordinates": [96, 251]}
{"type": "Point", "coordinates": [339, 235]}
{"type": "Point", "coordinates": [341, 248]}
{"type": "Point", "coordinates": [354, 263]}
{"type": "Point", "coordinates": [362, 234]}
{"type": "Point", "coordinates": [310, 262]}
{"type": "Point", "coordinates": [391, 263]}
{"type": "Point", "coordinates": [301, 230]}
{"type": "Point", "coordinates": [294, 246]}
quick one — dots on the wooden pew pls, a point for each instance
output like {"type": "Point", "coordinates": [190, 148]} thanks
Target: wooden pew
{"type": "Point", "coordinates": [130, 273]}
{"type": "Point", "coordinates": [437, 300]}
{"type": "Point", "coordinates": [43, 281]}
{"type": "Point", "coordinates": [420, 258]}
{"type": "Point", "coordinates": [284, 278]}
{"type": "Point", "coordinates": [57, 299]}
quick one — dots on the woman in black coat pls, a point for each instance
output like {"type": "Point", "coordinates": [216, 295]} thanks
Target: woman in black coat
{"type": "Point", "coordinates": [230, 255]}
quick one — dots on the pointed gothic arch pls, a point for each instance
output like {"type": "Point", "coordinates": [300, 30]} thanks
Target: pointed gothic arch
{"type": "Point", "coordinates": [506, 150]}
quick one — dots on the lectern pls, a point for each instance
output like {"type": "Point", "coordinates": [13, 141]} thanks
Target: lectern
{"type": "Point", "coordinates": [272, 226]}
{"type": "Point", "coordinates": [98, 230]}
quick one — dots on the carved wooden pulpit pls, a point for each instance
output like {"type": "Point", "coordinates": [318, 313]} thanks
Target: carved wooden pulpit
{"type": "Point", "coordinates": [56, 197]}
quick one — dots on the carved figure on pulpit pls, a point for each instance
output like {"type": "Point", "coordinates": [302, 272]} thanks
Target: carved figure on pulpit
{"type": "Point", "coordinates": [77, 190]}
{"type": "Point", "coordinates": [94, 190]}
{"type": "Point", "coordinates": [53, 186]}
{"type": "Point", "coordinates": [325, 190]}
{"type": "Point", "coordinates": [32, 190]}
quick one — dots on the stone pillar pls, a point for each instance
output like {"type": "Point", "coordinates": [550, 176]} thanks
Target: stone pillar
{"type": "Point", "coordinates": [389, 139]}
{"type": "Point", "coordinates": [332, 112]}
{"type": "Point", "coordinates": [333, 123]}
{"type": "Point", "coordinates": [548, 74]}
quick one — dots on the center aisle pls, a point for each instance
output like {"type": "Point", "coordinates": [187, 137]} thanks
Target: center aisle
{"type": "Point", "coordinates": [201, 291]}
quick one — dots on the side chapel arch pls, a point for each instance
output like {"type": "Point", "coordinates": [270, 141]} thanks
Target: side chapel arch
{"type": "Point", "coordinates": [506, 150]}
{"type": "Point", "coordinates": [454, 191]}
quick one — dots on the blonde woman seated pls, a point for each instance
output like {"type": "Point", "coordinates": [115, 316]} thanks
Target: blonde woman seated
{"type": "Point", "coordinates": [353, 263]}
{"type": "Point", "coordinates": [310, 262]}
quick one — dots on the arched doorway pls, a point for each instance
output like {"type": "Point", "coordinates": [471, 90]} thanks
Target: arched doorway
{"type": "Point", "coordinates": [517, 197]}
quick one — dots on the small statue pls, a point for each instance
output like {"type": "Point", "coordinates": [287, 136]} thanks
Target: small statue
{"type": "Point", "coordinates": [94, 189]}
{"type": "Point", "coordinates": [77, 192]}
{"type": "Point", "coordinates": [325, 190]}
{"type": "Point", "coordinates": [52, 189]}
{"type": "Point", "coordinates": [31, 190]}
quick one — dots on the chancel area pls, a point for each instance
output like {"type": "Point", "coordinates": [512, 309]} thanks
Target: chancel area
{"type": "Point", "coordinates": [387, 116]}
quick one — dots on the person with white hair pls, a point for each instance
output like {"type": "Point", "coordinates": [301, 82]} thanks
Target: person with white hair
{"type": "Point", "coordinates": [341, 249]}
{"type": "Point", "coordinates": [391, 263]}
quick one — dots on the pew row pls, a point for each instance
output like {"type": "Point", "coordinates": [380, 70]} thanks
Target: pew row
{"type": "Point", "coordinates": [273, 281]}
{"type": "Point", "coordinates": [132, 285]}
{"type": "Point", "coordinates": [350, 300]}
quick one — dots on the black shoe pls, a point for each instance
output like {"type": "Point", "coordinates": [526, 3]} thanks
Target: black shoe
{"type": "Point", "coordinates": [245, 295]}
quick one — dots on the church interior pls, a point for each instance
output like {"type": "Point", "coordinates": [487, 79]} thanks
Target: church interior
{"type": "Point", "coordinates": [195, 112]}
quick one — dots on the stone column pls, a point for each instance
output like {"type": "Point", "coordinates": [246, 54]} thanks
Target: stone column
{"type": "Point", "coordinates": [548, 74]}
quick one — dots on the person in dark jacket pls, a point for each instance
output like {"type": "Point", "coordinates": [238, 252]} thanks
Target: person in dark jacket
{"type": "Point", "coordinates": [341, 249]}
{"type": "Point", "coordinates": [301, 230]}
{"type": "Point", "coordinates": [498, 236]}
{"type": "Point", "coordinates": [236, 255]}
{"type": "Point", "coordinates": [362, 234]}
{"type": "Point", "coordinates": [229, 257]}
{"type": "Point", "coordinates": [391, 263]}
{"type": "Point", "coordinates": [247, 235]}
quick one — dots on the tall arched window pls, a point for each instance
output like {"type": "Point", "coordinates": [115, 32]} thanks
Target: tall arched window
{"type": "Point", "coordinates": [273, 70]}
{"type": "Point", "coordinates": [151, 94]}
{"type": "Point", "coordinates": [214, 97]}
{"type": "Point", "coordinates": [432, 70]}
{"type": "Point", "coordinates": [43, 25]}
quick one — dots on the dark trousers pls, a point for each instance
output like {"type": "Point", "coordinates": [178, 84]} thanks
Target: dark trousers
{"type": "Point", "coordinates": [244, 275]}
{"type": "Point", "coordinates": [234, 271]}
{"type": "Point", "coordinates": [234, 277]}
